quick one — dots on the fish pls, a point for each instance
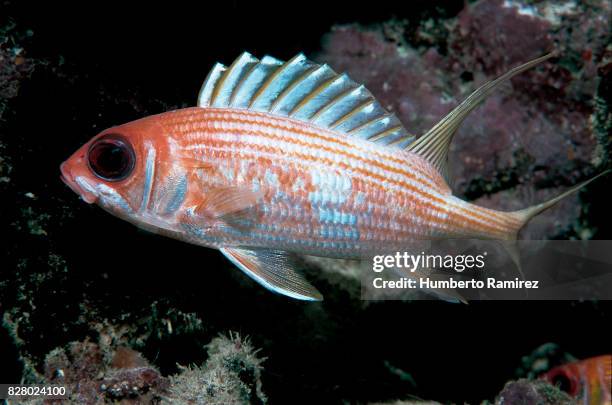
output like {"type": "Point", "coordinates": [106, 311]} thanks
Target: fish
{"type": "Point", "coordinates": [589, 380]}
{"type": "Point", "coordinates": [280, 159]}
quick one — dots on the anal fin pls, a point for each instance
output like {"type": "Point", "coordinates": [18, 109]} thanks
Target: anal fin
{"type": "Point", "coordinates": [273, 270]}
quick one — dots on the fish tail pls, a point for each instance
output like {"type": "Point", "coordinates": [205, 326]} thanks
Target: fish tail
{"type": "Point", "coordinates": [525, 215]}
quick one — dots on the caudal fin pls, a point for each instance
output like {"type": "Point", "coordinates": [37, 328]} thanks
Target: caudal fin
{"type": "Point", "coordinates": [525, 215]}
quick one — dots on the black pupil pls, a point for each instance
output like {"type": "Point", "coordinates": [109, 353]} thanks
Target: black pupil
{"type": "Point", "coordinates": [563, 382]}
{"type": "Point", "coordinates": [111, 158]}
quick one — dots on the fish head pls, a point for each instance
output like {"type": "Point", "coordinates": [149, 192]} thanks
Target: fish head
{"type": "Point", "coordinates": [566, 378]}
{"type": "Point", "coordinates": [587, 379]}
{"type": "Point", "coordinates": [114, 168]}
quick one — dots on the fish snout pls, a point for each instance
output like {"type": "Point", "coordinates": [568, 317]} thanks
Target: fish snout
{"type": "Point", "coordinates": [68, 177]}
{"type": "Point", "coordinates": [65, 174]}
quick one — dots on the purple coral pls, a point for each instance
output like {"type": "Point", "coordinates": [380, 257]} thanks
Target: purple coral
{"type": "Point", "coordinates": [93, 375]}
{"type": "Point", "coordinates": [532, 392]}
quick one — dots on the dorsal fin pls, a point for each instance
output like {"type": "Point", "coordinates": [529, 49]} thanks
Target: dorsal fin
{"type": "Point", "coordinates": [434, 144]}
{"type": "Point", "coordinates": [304, 90]}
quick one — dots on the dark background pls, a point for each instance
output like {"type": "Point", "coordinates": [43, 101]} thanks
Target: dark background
{"type": "Point", "coordinates": [101, 66]}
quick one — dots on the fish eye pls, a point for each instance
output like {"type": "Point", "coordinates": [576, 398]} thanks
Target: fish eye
{"type": "Point", "coordinates": [564, 383]}
{"type": "Point", "coordinates": [111, 157]}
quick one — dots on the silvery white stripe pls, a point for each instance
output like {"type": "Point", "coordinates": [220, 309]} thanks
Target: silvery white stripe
{"type": "Point", "coordinates": [149, 174]}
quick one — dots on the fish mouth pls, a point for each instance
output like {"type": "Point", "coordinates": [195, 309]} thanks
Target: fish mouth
{"type": "Point", "coordinates": [68, 178]}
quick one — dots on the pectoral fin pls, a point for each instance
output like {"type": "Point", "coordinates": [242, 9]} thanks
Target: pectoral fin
{"type": "Point", "coordinates": [231, 205]}
{"type": "Point", "coordinates": [273, 270]}
{"type": "Point", "coordinates": [227, 201]}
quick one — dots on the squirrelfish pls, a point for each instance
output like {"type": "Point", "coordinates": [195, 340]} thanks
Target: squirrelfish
{"type": "Point", "coordinates": [282, 158]}
{"type": "Point", "coordinates": [589, 381]}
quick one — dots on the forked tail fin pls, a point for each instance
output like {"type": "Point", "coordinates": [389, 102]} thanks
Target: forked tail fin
{"type": "Point", "coordinates": [522, 217]}
{"type": "Point", "coordinates": [525, 215]}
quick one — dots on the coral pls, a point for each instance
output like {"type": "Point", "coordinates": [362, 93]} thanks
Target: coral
{"type": "Point", "coordinates": [144, 383]}
{"type": "Point", "coordinates": [76, 366]}
{"type": "Point", "coordinates": [14, 65]}
{"type": "Point", "coordinates": [518, 392]}
{"type": "Point", "coordinates": [91, 378]}
{"type": "Point", "coordinates": [231, 375]}
{"type": "Point", "coordinates": [532, 392]}
{"type": "Point", "coordinates": [602, 116]}
{"type": "Point", "coordinates": [96, 373]}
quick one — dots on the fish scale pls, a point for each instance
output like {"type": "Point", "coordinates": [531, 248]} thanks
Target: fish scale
{"type": "Point", "coordinates": [283, 158]}
{"type": "Point", "coordinates": [379, 217]}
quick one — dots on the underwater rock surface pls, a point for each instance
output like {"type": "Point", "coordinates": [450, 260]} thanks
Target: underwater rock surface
{"type": "Point", "coordinates": [231, 375]}
{"type": "Point", "coordinates": [533, 392]}
{"type": "Point", "coordinates": [94, 374]}
{"type": "Point", "coordinates": [97, 374]}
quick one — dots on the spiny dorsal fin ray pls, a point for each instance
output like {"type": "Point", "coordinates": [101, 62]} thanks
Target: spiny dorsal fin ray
{"type": "Point", "coordinates": [304, 90]}
{"type": "Point", "coordinates": [244, 92]}
{"type": "Point", "coordinates": [305, 84]}
{"type": "Point", "coordinates": [232, 76]}
{"type": "Point", "coordinates": [210, 83]}
{"type": "Point", "coordinates": [434, 144]}
{"type": "Point", "coordinates": [278, 81]}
